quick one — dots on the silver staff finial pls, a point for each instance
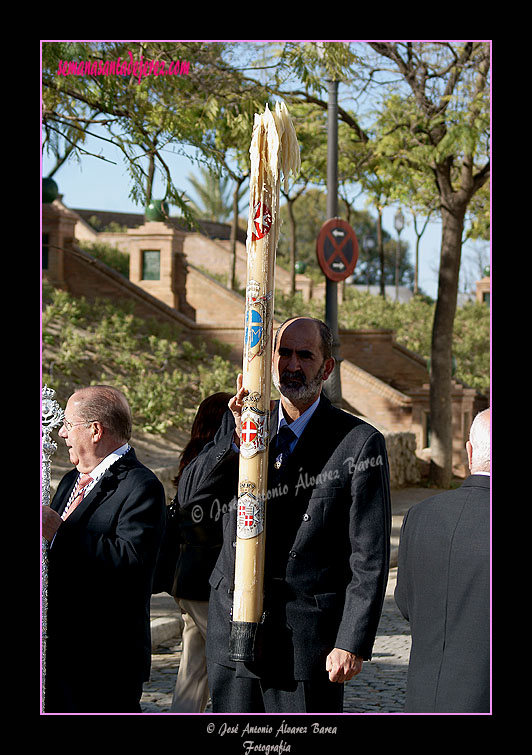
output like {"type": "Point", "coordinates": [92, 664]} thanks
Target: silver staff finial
{"type": "Point", "coordinates": [51, 416]}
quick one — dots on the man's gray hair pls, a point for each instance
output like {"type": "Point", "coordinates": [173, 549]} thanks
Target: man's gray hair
{"type": "Point", "coordinates": [108, 406]}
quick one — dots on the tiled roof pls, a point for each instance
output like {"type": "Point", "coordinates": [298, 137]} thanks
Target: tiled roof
{"type": "Point", "coordinates": [210, 228]}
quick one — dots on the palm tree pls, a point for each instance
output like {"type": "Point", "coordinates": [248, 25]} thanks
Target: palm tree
{"type": "Point", "coordinates": [214, 195]}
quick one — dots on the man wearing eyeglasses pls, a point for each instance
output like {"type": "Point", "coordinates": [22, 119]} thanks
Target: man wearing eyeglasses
{"type": "Point", "coordinates": [104, 526]}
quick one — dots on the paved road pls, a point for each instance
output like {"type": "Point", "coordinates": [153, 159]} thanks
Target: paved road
{"type": "Point", "coordinates": [381, 685]}
{"type": "Point", "coordinates": [380, 688]}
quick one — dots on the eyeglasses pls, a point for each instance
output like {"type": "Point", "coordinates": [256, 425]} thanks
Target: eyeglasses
{"type": "Point", "coordinates": [69, 425]}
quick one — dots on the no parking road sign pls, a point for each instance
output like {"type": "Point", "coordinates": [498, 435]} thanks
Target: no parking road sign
{"type": "Point", "coordinates": [337, 249]}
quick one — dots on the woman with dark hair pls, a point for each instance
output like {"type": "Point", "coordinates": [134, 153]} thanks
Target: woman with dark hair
{"type": "Point", "coordinates": [199, 546]}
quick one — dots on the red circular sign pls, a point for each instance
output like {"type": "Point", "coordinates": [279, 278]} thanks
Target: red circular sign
{"type": "Point", "coordinates": [337, 249]}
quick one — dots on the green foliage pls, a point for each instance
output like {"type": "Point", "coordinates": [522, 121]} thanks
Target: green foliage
{"type": "Point", "coordinates": [111, 227]}
{"type": "Point", "coordinates": [208, 111]}
{"type": "Point", "coordinates": [215, 194]}
{"type": "Point", "coordinates": [471, 344]}
{"type": "Point", "coordinates": [313, 63]}
{"type": "Point", "coordinates": [163, 376]}
{"type": "Point", "coordinates": [411, 321]}
{"type": "Point", "coordinates": [292, 306]}
{"type": "Point", "coordinates": [309, 214]}
{"type": "Point", "coordinates": [109, 254]}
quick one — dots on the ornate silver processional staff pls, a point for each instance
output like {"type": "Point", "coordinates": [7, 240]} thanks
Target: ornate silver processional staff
{"type": "Point", "coordinates": [51, 417]}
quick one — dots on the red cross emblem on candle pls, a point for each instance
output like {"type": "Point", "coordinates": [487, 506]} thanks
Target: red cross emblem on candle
{"type": "Point", "coordinates": [261, 230]}
{"type": "Point", "coordinates": [250, 519]}
{"type": "Point", "coordinates": [245, 515]}
{"type": "Point", "coordinates": [249, 431]}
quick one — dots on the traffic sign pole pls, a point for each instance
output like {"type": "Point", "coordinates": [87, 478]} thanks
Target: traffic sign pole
{"type": "Point", "coordinates": [336, 246]}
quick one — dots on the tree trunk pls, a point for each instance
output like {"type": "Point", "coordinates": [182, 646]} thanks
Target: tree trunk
{"type": "Point", "coordinates": [380, 244]}
{"type": "Point", "coordinates": [290, 204]}
{"type": "Point", "coordinates": [234, 229]}
{"type": "Point", "coordinates": [151, 173]}
{"type": "Point", "coordinates": [416, 268]}
{"type": "Point", "coordinates": [441, 420]}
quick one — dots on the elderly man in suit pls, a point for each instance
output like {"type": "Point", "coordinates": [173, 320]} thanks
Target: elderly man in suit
{"type": "Point", "coordinates": [327, 539]}
{"type": "Point", "coordinates": [443, 590]}
{"type": "Point", "coordinates": [105, 526]}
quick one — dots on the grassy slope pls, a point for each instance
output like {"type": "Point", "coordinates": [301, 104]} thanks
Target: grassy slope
{"type": "Point", "coordinates": [163, 375]}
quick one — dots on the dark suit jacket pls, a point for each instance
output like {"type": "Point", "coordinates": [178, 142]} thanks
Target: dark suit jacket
{"type": "Point", "coordinates": [443, 590]}
{"type": "Point", "coordinates": [198, 552]}
{"type": "Point", "coordinates": [327, 542]}
{"type": "Point", "coordinates": [101, 565]}
{"type": "Point", "coordinates": [187, 556]}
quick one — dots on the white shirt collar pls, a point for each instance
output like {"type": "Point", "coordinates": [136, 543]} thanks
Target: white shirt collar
{"type": "Point", "coordinates": [299, 424]}
{"type": "Point", "coordinates": [97, 472]}
{"type": "Point", "coordinates": [104, 465]}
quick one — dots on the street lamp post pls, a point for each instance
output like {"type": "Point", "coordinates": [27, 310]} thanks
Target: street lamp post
{"type": "Point", "coordinates": [368, 243]}
{"type": "Point", "coordinates": [399, 222]}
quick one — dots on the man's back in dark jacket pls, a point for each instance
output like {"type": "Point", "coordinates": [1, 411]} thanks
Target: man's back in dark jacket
{"type": "Point", "coordinates": [443, 590]}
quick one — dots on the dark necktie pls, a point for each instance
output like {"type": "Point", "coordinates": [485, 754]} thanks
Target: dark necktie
{"type": "Point", "coordinates": [284, 438]}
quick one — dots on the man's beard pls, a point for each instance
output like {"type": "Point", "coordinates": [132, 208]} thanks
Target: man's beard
{"type": "Point", "coordinates": [295, 387]}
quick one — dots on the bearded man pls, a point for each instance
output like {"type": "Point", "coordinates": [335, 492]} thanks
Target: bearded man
{"type": "Point", "coordinates": [327, 538]}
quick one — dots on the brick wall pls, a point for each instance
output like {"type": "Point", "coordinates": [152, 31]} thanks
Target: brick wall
{"type": "Point", "coordinates": [215, 257]}
{"type": "Point", "coordinates": [377, 352]}
{"type": "Point", "coordinates": [213, 302]}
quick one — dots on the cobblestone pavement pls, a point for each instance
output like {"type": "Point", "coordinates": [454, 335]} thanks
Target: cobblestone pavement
{"type": "Point", "coordinates": [380, 688]}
